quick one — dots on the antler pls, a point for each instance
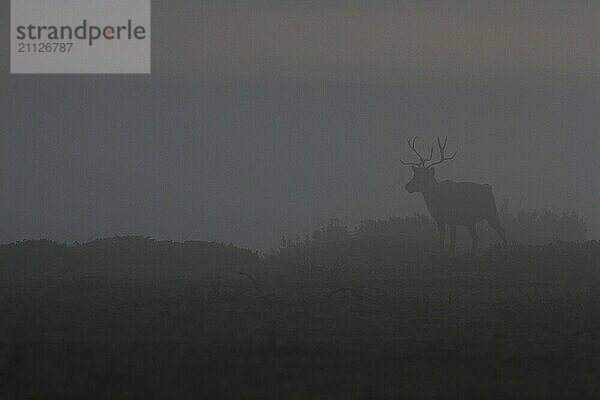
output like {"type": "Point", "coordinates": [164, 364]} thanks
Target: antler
{"type": "Point", "coordinates": [423, 160]}
{"type": "Point", "coordinates": [442, 153]}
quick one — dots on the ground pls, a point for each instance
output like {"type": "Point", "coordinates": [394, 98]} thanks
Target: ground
{"type": "Point", "coordinates": [507, 323]}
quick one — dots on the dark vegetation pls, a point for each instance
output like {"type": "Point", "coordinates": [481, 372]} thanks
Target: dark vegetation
{"type": "Point", "coordinates": [364, 313]}
{"type": "Point", "coordinates": [396, 240]}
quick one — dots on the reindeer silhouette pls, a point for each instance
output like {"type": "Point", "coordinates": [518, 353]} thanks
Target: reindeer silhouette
{"type": "Point", "coordinates": [451, 203]}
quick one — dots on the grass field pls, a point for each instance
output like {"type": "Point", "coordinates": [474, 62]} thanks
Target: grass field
{"type": "Point", "coordinates": [522, 322]}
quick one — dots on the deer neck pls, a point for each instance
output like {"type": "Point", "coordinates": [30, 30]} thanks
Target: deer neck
{"type": "Point", "coordinates": [430, 193]}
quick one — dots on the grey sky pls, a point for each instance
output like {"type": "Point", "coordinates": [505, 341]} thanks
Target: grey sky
{"type": "Point", "coordinates": [266, 118]}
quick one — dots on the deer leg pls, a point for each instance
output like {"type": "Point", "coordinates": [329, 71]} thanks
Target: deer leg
{"type": "Point", "coordinates": [452, 239]}
{"type": "Point", "coordinates": [473, 237]}
{"type": "Point", "coordinates": [442, 233]}
{"type": "Point", "coordinates": [500, 230]}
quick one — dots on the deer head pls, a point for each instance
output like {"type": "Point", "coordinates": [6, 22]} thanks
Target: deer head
{"type": "Point", "coordinates": [423, 174]}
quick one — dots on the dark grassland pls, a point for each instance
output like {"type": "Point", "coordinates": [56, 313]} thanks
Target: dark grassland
{"type": "Point", "coordinates": [522, 322]}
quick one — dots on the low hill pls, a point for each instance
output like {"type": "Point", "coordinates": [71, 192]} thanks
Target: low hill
{"type": "Point", "coordinates": [118, 254]}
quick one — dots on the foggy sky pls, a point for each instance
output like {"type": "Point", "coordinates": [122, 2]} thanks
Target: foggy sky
{"type": "Point", "coordinates": [267, 118]}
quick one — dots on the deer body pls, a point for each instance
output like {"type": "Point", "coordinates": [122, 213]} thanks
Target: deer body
{"type": "Point", "coordinates": [451, 203]}
{"type": "Point", "coordinates": [445, 202]}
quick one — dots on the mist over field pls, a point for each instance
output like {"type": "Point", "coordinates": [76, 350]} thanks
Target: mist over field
{"type": "Point", "coordinates": [269, 118]}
